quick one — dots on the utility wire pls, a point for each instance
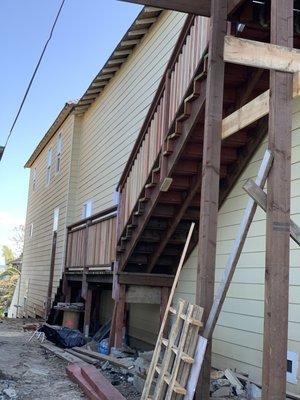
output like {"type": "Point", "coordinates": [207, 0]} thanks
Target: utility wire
{"type": "Point", "coordinates": [34, 73]}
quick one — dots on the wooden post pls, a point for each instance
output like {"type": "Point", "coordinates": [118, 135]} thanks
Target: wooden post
{"type": "Point", "coordinates": [120, 317]}
{"type": "Point", "coordinates": [211, 176]}
{"type": "Point", "coordinates": [51, 273]}
{"type": "Point", "coordinates": [84, 286]}
{"type": "Point", "coordinates": [87, 312]}
{"type": "Point", "coordinates": [278, 213]}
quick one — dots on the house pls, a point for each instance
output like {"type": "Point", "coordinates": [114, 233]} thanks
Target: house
{"type": "Point", "coordinates": [118, 179]}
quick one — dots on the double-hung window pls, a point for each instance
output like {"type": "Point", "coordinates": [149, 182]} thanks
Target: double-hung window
{"type": "Point", "coordinates": [48, 171]}
{"type": "Point", "coordinates": [58, 152]}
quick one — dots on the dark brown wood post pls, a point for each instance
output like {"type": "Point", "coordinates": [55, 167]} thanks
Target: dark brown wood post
{"type": "Point", "coordinates": [211, 176]}
{"type": "Point", "coordinates": [84, 287]}
{"type": "Point", "coordinates": [66, 290]}
{"type": "Point", "coordinates": [87, 312]}
{"type": "Point", "coordinates": [120, 316]}
{"type": "Point", "coordinates": [51, 273]}
{"type": "Point", "coordinates": [278, 213]}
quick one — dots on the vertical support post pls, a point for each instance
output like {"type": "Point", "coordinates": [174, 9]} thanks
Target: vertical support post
{"type": "Point", "coordinates": [87, 312]}
{"type": "Point", "coordinates": [68, 255]}
{"type": "Point", "coordinates": [84, 286]}
{"type": "Point", "coordinates": [278, 213]}
{"type": "Point", "coordinates": [51, 273]}
{"type": "Point", "coordinates": [164, 297]}
{"type": "Point", "coordinates": [211, 176]}
{"type": "Point", "coordinates": [120, 316]}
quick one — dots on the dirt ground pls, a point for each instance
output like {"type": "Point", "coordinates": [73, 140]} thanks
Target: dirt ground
{"type": "Point", "coordinates": [27, 372]}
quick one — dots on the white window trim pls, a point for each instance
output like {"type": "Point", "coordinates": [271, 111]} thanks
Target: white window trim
{"type": "Point", "coordinates": [87, 209]}
{"type": "Point", "coordinates": [292, 377]}
{"type": "Point", "coordinates": [31, 230]}
{"type": "Point", "coordinates": [48, 170]}
{"type": "Point", "coordinates": [34, 173]}
{"type": "Point", "coordinates": [58, 153]}
{"type": "Point", "coordinates": [55, 219]}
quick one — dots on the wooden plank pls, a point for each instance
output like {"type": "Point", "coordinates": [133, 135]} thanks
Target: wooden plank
{"type": "Point", "coordinates": [260, 197]}
{"type": "Point", "coordinates": [228, 274]}
{"type": "Point", "coordinates": [278, 213]}
{"type": "Point", "coordinates": [237, 248]}
{"type": "Point", "coordinates": [143, 295]}
{"type": "Point", "coordinates": [157, 349]}
{"type": "Point", "coordinates": [211, 176]}
{"type": "Point", "coordinates": [253, 111]}
{"type": "Point", "coordinates": [102, 357]}
{"type": "Point", "coordinates": [261, 55]}
{"type": "Point", "coordinates": [60, 353]}
{"type": "Point", "coordinates": [82, 357]}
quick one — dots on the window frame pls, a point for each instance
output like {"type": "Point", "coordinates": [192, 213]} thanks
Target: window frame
{"type": "Point", "coordinates": [48, 169]}
{"type": "Point", "coordinates": [59, 144]}
{"type": "Point", "coordinates": [55, 219]}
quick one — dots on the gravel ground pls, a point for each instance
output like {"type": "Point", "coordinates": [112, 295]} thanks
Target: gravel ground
{"type": "Point", "coordinates": [27, 372]}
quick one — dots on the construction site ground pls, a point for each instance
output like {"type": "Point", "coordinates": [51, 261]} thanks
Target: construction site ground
{"type": "Point", "coordinates": [27, 371]}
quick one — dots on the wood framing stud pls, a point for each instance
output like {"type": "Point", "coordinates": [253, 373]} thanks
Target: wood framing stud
{"type": "Point", "coordinates": [278, 213]}
{"type": "Point", "coordinates": [211, 176]}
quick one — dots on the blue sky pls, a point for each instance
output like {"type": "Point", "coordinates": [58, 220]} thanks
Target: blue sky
{"type": "Point", "coordinates": [86, 34]}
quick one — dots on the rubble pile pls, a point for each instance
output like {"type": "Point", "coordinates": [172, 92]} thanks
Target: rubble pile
{"type": "Point", "coordinates": [226, 385]}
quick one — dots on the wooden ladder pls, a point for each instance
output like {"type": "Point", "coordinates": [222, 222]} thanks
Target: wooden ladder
{"type": "Point", "coordinates": [175, 352]}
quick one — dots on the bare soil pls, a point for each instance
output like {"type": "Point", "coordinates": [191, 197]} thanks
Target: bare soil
{"type": "Point", "coordinates": [27, 372]}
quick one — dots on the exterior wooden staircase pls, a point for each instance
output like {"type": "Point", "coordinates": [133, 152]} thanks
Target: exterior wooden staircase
{"type": "Point", "coordinates": [154, 234]}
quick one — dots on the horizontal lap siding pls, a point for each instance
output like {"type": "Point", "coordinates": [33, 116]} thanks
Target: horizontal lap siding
{"type": "Point", "coordinates": [238, 337]}
{"type": "Point", "coordinates": [111, 125]}
{"type": "Point", "coordinates": [41, 204]}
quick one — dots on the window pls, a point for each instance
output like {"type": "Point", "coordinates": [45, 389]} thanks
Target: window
{"type": "Point", "coordinates": [87, 209]}
{"type": "Point", "coordinates": [58, 152]}
{"type": "Point", "coordinates": [292, 367]}
{"type": "Point", "coordinates": [34, 179]}
{"type": "Point", "coordinates": [31, 230]}
{"type": "Point", "coordinates": [55, 219]}
{"type": "Point", "coordinates": [48, 172]}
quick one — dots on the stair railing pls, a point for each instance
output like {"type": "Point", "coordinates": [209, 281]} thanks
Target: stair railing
{"type": "Point", "coordinates": [179, 73]}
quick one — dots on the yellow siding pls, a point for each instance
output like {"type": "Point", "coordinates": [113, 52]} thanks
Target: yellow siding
{"type": "Point", "coordinates": [41, 204]}
{"type": "Point", "coordinates": [111, 125]}
{"type": "Point", "coordinates": [238, 336]}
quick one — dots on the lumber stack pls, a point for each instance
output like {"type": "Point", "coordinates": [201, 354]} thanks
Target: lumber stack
{"type": "Point", "coordinates": [92, 382]}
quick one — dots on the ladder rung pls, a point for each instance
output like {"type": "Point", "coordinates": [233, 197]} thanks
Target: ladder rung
{"type": "Point", "coordinates": [167, 378]}
{"type": "Point", "coordinates": [184, 356]}
{"type": "Point", "coordinates": [192, 321]}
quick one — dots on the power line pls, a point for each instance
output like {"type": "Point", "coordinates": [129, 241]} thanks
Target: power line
{"type": "Point", "coordinates": [33, 75]}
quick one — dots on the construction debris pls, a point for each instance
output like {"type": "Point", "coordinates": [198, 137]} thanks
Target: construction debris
{"type": "Point", "coordinates": [92, 382]}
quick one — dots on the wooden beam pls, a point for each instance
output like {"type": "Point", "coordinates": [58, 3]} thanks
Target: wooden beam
{"type": "Point", "coordinates": [278, 213]}
{"type": "Point", "coordinates": [211, 176]}
{"type": "Point", "coordinates": [188, 6]}
{"type": "Point", "coordinates": [260, 197]}
{"type": "Point", "coordinates": [200, 7]}
{"type": "Point", "coordinates": [253, 111]}
{"type": "Point", "coordinates": [132, 278]}
{"type": "Point", "coordinates": [261, 55]}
